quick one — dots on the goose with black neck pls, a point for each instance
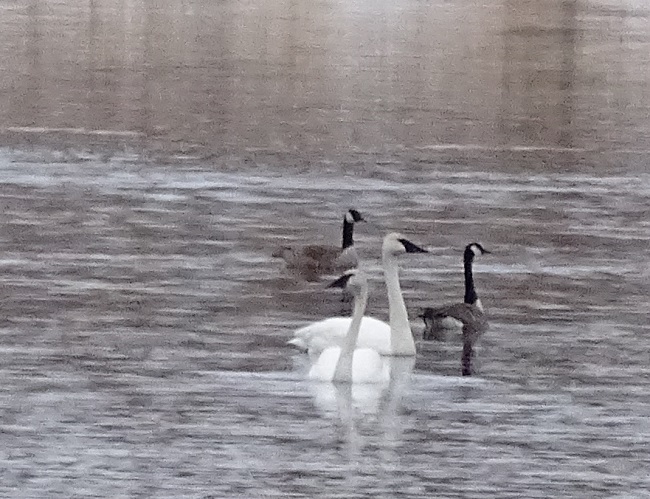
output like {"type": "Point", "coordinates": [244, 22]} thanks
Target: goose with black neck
{"type": "Point", "coordinates": [437, 320]}
{"type": "Point", "coordinates": [314, 260]}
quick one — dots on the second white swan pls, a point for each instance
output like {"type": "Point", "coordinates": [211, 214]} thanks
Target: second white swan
{"type": "Point", "coordinates": [347, 363]}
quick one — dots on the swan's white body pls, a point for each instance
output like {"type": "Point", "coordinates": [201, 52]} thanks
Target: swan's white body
{"type": "Point", "coordinates": [320, 335]}
{"type": "Point", "coordinates": [347, 363]}
{"type": "Point", "coordinates": [367, 366]}
{"type": "Point", "coordinates": [394, 338]}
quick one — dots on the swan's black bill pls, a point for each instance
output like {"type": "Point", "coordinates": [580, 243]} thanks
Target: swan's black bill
{"type": "Point", "coordinates": [411, 248]}
{"type": "Point", "coordinates": [341, 282]}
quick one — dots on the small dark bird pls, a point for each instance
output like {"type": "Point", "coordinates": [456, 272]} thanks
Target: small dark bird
{"type": "Point", "coordinates": [436, 321]}
{"type": "Point", "coordinates": [314, 260]}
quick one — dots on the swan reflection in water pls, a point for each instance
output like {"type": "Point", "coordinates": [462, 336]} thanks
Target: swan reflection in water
{"type": "Point", "coordinates": [344, 401]}
{"type": "Point", "coordinates": [365, 418]}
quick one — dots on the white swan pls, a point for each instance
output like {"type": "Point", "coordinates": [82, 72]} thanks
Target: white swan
{"type": "Point", "coordinates": [348, 364]}
{"type": "Point", "coordinates": [394, 338]}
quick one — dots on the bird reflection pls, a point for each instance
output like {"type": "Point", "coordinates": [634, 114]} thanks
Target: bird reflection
{"type": "Point", "coordinates": [345, 401]}
{"type": "Point", "coordinates": [365, 415]}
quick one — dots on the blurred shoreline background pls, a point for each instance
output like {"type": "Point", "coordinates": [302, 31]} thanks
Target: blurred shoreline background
{"type": "Point", "coordinates": [547, 84]}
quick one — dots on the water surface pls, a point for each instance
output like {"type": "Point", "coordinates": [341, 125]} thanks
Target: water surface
{"type": "Point", "coordinates": [155, 154]}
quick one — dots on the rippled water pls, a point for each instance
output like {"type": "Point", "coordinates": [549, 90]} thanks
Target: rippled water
{"type": "Point", "coordinates": [144, 328]}
{"type": "Point", "coordinates": [144, 321]}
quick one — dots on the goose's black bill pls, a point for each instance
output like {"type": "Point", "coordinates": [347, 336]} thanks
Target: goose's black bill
{"type": "Point", "coordinates": [412, 248]}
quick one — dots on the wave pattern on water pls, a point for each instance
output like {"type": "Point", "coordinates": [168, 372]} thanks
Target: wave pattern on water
{"type": "Point", "coordinates": [144, 328]}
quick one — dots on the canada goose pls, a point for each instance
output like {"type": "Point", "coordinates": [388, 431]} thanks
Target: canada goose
{"type": "Point", "coordinates": [347, 363]}
{"type": "Point", "coordinates": [394, 338]}
{"type": "Point", "coordinates": [314, 260]}
{"type": "Point", "coordinates": [474, 325]}
{"type": "Point", "coordinates": [435, 318]}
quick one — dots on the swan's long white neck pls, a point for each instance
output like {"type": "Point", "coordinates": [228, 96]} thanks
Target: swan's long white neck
{"type": "Point", "coordinates": [343, 371]}
{"type": "Point", "coordinates": [401, 338]}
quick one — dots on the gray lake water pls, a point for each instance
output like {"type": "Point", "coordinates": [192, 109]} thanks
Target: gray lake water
{"type": "Point", "coordinates": [154, 154]}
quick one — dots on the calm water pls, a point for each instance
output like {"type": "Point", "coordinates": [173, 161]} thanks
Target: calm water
{"type": "Point", "coordinates": [152, 157]}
